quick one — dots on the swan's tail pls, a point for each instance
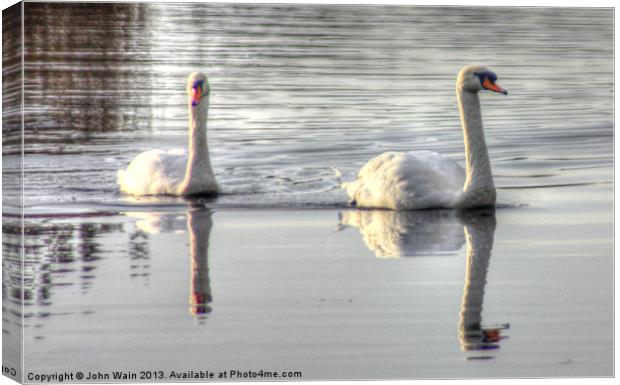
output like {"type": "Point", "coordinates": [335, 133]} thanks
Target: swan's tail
{"type": "Point", "coordinates": [120, 176]}
{"type": "Point", "coordinates": [338, 176]}
{"type": "Point", "coordinates": [121, 179]}
{"type": "Point", "coordinates": [345, 185]}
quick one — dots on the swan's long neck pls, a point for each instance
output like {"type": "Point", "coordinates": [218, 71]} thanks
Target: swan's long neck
{"type": "Point", "coordinates": [198, 173]}
{"type": "Point", "coordinates": [479, 189]}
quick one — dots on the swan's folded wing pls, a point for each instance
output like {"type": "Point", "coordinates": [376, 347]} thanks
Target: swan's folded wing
{"type": "Point", "coordinates": [154, 172]}
{"type": "Point", "coordinates": [379, 182]}
{"type": "Point", "coordinates": [434, 179]}
{"type": "Point", "coordinates": [405, 181]}
{"type": "Point", "coordinates": [445, 173]}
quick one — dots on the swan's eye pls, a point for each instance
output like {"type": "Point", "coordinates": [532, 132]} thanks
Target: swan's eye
{"type": "Point", "coordinates": [200, 88]}
{"type": "Point", "coordinates": [198, 83]}
{"type": "Point", "coordinates": [486, 75]}
{"type": "Point", "coordinates": [198, 92]}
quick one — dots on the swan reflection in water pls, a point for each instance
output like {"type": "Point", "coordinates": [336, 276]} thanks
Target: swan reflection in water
{"type": "Point", "coordinates": [393, 234]}
{"type": "Point", "coordinates": [198, 225]}
{"type": "Point", "coordinates": [479, 227]}
{"type": "Point", "coordinates": [439, 232]}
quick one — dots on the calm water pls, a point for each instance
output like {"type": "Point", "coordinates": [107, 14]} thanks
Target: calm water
{"type": "Point", "coordinates": [277, 273]}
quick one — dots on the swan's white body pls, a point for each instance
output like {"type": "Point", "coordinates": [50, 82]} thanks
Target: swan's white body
{"type": "Point", "coordinates": [176, 172]}
{"type": "Point", "coordinates": [425, 179]}
{"type": "Point", "coordinates": [407, 181]}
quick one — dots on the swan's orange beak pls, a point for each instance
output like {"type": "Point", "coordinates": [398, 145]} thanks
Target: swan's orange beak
{"type": "Point", "coordinates": [489, 85]}
{"type": "Point", "coordinates": [196, 95]}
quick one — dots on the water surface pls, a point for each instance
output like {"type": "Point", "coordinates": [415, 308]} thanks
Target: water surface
{"type": "Point", "coordinates": [278, 273]}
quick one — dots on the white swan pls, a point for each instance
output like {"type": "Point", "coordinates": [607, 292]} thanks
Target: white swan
{"type": "Point", "coordinates": [174, 172]}
{"type": "Point", "coordinates": [424, 179]}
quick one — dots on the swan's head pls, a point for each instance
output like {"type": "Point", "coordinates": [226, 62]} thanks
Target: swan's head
{"type": "Point", "coordinates": [474, 78]}
{"type": "Point", "coordinates": [197, 88]}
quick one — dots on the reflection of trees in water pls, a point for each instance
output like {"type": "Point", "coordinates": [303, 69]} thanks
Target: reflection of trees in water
{"type": "Point", "coordinates": [12, 323]}
{"type": "Point", "coordinates": [138, 250]}
{"type": "Point", "coordinates": [66, 251]}
{"type": "Point", "coordinates": [55, 254]}
{"type": "Point", "coordinates": [11, 260]}
{"type": "Point", "coordinates": [85, 72]}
